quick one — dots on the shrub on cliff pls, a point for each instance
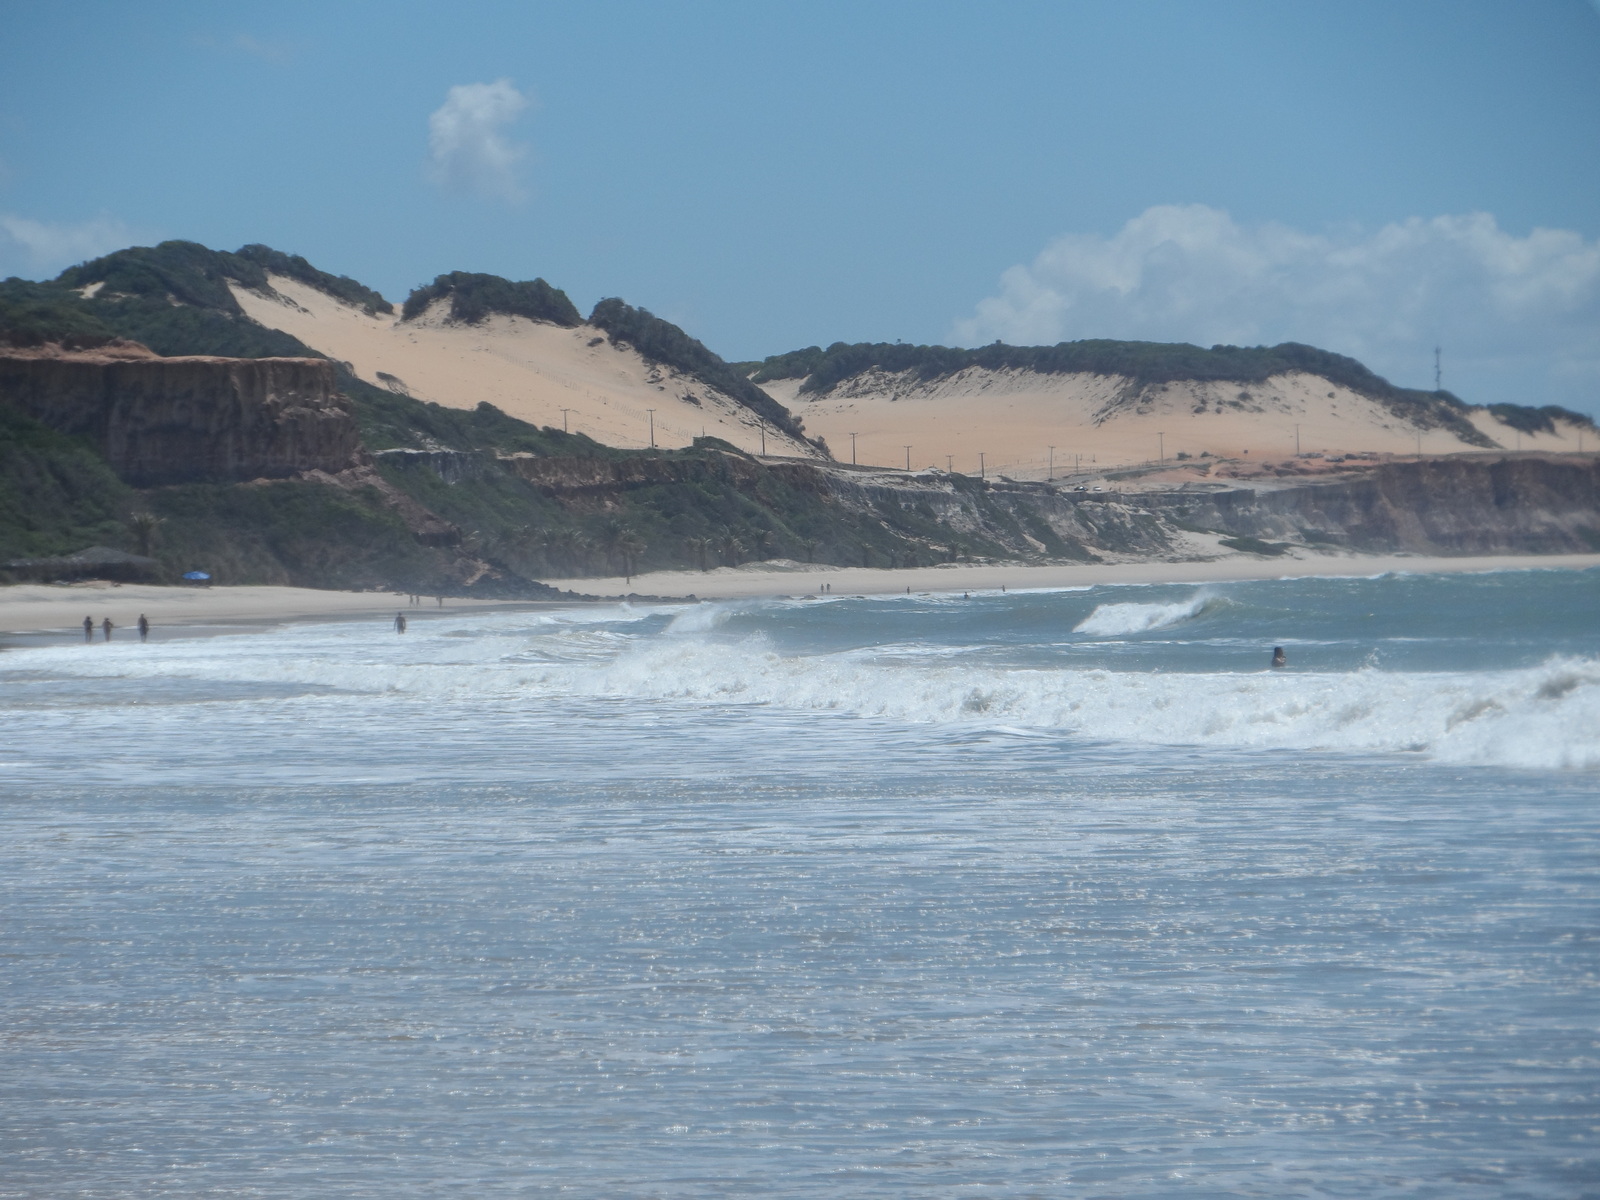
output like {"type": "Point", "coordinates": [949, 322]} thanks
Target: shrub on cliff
{"type": "Point", "coordinates": [473, 297]}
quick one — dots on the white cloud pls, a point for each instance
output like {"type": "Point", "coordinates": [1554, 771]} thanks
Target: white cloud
{"type": "Point", "coordinates": [1518, 317]}
{"type": "Point", "coordinates": [466, 148]}
{"type": "Point", "coordinates": [41, 249]}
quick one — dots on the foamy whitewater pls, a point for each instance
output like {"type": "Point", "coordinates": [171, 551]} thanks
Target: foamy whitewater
{"type": "Point", "coordinates": [1044, 893]}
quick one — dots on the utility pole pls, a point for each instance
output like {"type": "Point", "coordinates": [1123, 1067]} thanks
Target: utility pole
{"type": "Point", "coordinates": [564, 413]}
{"type": "Point", "coordinates": [1161, 447]}
{"type": "Point", "coordinates": [852, 449]}
{"type": "Point", "coordinates": [763, 438]}
{"type": "Point", "coordinates": [1050, 478]}
{"type": "Point", "coordinates": [981, 474]}
{"type": "Point", "coordinates": [652, 413]}
{"type": "Point", "coordinates": [950, 458]}
{"type": "Point", "coordinates": [908, 458]}
{"type": "Point", "coordinates": [1438, 373]}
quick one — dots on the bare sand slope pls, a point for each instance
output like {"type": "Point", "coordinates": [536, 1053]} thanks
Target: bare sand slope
{"type": "Point", "coordinates": [1013, 417]}
{"type": "Point", "coordinates": [529, 369]}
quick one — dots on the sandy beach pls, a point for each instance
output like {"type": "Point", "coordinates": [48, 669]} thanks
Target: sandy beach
{"type": "Point", "coordinates": [49, 610]}
{"type": "Point", "coordinates": [798, 579]}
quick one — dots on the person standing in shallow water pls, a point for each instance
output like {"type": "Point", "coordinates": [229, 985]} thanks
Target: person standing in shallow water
{"type": "Point", "coordinates": [1279, 658]}
{"type": "Point", "coordinates": [88, 629]}
{"type": "Point", "coordinates": [144, 628]}
{"type": "Point", "coordinates": [106, 627]}
{"type": "Point", "coordinates": [399, 622]}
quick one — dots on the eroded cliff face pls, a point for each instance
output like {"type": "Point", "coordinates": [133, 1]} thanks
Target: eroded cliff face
{"type": "Point", "coordinates": [1471, 504]}
{"type": "Point", "coordinates": [185, 420]}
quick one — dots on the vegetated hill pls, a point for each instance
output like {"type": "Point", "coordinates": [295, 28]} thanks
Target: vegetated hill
{"type": "Point", "coordinates": [1116, 402]}
{"type": "Point", "coordinates": [663, 342]}
{"type": "Point", "coordinates": [478, 468]}
{"type": "Point", "coordinates": [196, 275]}
{"type": "Point", "coordinates": [474, 297]}
{"type": "Point", "coordinates": [1141, 363]}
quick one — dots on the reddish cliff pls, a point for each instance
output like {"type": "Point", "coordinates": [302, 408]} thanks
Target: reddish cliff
{"type": "Point", "coordinates": [182, 420]}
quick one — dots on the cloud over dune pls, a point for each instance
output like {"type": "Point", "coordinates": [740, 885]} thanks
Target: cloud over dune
{"type": "Point", "coordinates": [37, 249]}
{"type": "Point", "coordinates": [467, 149]}
{"type": "Point", "coordinates": [1518, 317]}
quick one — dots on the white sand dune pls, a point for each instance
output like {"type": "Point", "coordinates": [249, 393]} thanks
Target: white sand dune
{"type": "Point", "coordinates": [1012, 417]}
{"type": "Point", "coordinates": [529, 369]}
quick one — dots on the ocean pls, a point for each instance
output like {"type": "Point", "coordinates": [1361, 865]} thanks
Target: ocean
{"type": "Point", "coordinates": [1047, 893]}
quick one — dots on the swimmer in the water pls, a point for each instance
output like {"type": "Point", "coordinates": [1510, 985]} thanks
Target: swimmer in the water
{"type": "Point", "coordinates": [1279, 659]}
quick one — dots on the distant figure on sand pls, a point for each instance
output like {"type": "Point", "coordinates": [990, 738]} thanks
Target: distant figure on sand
{"type": "Point", "coordinates": [1279, 659]}
{"type": "Point", "coordinates": [399, 622]}
{"type": "Point", "coordinates": [106, 627]}
{"type": "Point", "coordinates": [88, 629]}
{"type": "Point", "coordinates": [144, 628]}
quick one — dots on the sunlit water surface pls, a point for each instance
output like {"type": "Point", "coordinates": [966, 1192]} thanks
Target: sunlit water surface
{"type": "Point", "coordinates": [1041, 894]}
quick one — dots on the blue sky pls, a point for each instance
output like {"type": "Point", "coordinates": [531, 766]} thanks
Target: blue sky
{"type": "Point", "coordinates": [1371, 177]}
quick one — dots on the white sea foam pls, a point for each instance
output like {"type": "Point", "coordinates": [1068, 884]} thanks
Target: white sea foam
{"type": "Point", "coordinates": [1545, 716]}
{"type": "Point", "coordinates": [1118, 620]}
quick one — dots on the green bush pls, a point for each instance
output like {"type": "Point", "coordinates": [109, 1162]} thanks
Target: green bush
{"type": "Point", "coordinates": [474, 296]}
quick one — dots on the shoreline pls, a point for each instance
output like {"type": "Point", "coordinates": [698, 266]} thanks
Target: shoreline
{"type": "Point", "coordinates": [44, 614]}
{"type": "Point", "coordinates": [35, 614]}
{"type": "Point", "coordinates": [798, 579]}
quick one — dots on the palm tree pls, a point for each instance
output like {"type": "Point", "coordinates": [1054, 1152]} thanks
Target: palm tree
{"type": "Point", "coordinates": [620, 542]}
{"type": "Point", "coordinates": [731, 547]}
{"type": "Point", "coordinates": [761, 539]}
{"type": "Point", "coordinates": [809, 545]}
{"type": "Point", "coordinates": [630, 545]}
{"type": "Point", "coordinates": [566, 546]}
{"type": "Point", "coordinates": [144, 526]}
{"type": "Point", "coordinates": [700, 547]}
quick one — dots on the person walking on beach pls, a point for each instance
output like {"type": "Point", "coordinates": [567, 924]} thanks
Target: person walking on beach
{"type": "Point", "coordinates": [399, 622]}
{"type": "Point", "coordinates": [88, 630]}
{"type": "Point", "coordinates": [106, 627]}
{"type": "Point", "coordinates": [144, 628]}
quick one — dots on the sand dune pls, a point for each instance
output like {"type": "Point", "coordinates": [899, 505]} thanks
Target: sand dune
{"type": "Point", "coordinates": [529, 369]}
{"type": "Point", "coordinates": [1013, 417]}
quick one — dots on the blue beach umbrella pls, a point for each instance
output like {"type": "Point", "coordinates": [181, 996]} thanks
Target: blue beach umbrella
{"type": "Point", "coordinates": [195, 575]}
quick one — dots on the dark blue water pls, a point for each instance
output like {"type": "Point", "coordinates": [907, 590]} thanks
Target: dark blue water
{"type": "Point", "coordinates": [873, 898]}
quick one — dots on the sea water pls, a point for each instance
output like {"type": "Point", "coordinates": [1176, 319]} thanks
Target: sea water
{"type": "Point", "coordinates": [1033, 894]}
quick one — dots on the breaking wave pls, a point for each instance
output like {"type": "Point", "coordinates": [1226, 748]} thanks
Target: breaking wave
{"type": "Point", "coordinates": [1541, 717]}
{"type": "Point", "coordinates": [1118, 620]}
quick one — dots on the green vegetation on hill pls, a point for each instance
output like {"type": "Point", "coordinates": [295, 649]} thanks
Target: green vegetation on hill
{"type": "Point", "coordinates": [1140, 362]}
{"type": "Point", "coordinates": [663, 342]}
{"type": "Point", "coordinates": [197, 275]}
{"type": "Point", "coordinates": [1144, 362]}
{"type": "Point", "coordinates": [1538, 420]}
{"type": "Point", "coordinates": [32, 314]}
{"type": "Point", "coordinates": [295, 267]}
{"type": "Point", "coordinates": [57, 495]}
{"type": "Point", "coordinates": [473, 297]}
